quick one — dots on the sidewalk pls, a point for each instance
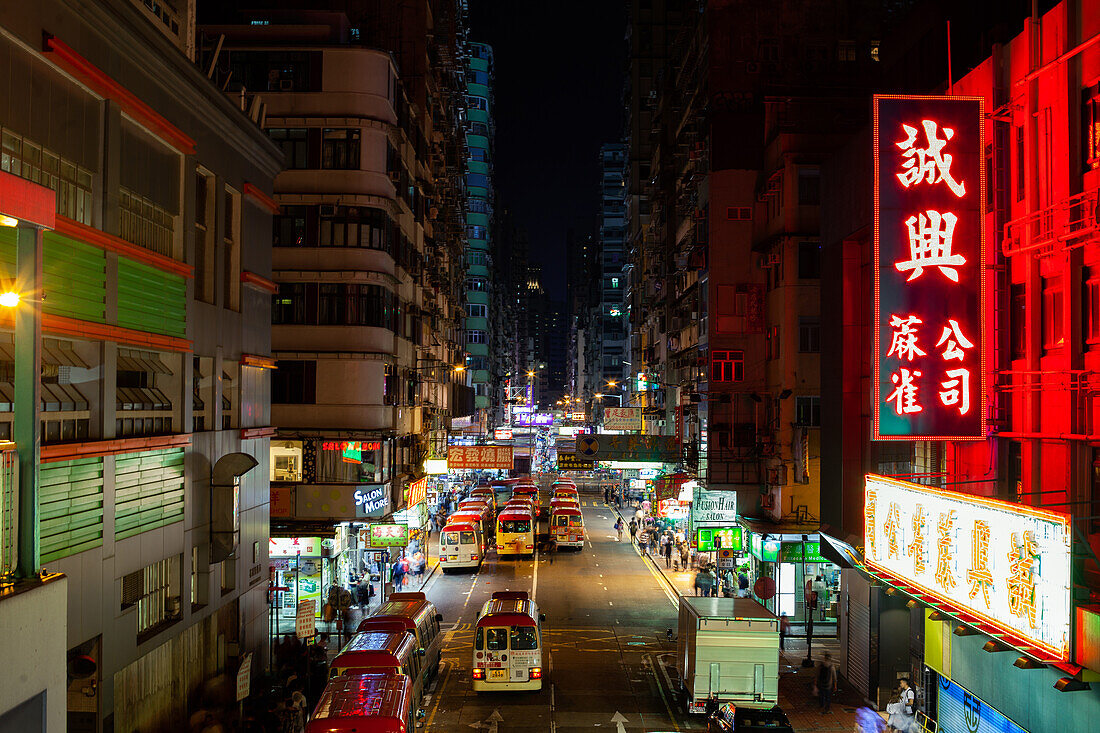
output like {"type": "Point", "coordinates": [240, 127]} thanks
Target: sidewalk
{"type": "Point", "coordinates": [796, 696]}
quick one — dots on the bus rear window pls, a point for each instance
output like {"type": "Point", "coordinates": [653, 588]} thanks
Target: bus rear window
{"type": "Point", "coordinates": [575, 520]}
{"type": "Point", "coordinates": [467, 538]}
{"type": "Point", "coordinates": [523, 638]}
{"type": "Point", "coordinates": [560, 520]}
{"type": "Point", "coordinates": [515, 525]}
{"type": "Point", "coordinates": [450, 538]}
{"type": "Point", "coordinates": [496, 639]}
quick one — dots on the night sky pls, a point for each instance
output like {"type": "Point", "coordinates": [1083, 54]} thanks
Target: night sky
{"type": "Point", "coordinates": [559, 86]}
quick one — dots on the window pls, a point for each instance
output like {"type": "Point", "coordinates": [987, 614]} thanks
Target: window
{"type": "Point", "coordinates": [1020, 167]}
{"type": "Point", "coordinates": [144, 223]}
{"type": "Point", "coordinates": [340, 149]}
{"type": "Point", "coordinates": [155, 592]}
{"type": "Point", "coordinates": [232, 268]}
{"type": "Point", "coordinates": [1090, 110]}
{"type": "Point", "coordinates": [294, 383]}
{"type": "Point", "coordinates": [199, 573]}
{"type": "Point", "coordinates": [771, 343]}
{"type": "Point", "coordinates": [523, 638]}
{"type": "Point", "coordinates": [1053, 326]}
{"type": "Point", "coordinates": [476, 231]}
{"type": "Point", "coordinates": [727, 366]}
{"type": "Point", "coordinates": [1018, 319]}
{"type": "Point", "coordinates": [294, 142]}
{"type": "Point", "coordinates": [809, 335]}
{"type": "Point", "coordinates": [328, 304]}
{"type": "Point", "coordinates": [229, 574]}
{"type": "Point", "coordinates": [809, 260]}
{"type": "Point", "coordinates": [477, 284]}
{"type": "Point", "coordinates": [289, 226]}
{"type": "Point", "coordinates": [496, 639]}
{"type": "Point", "coordinates": [809, 187]}
{"type": "Point", "coordinates": [807, 411]}
{"type": "Point", "coordinates": [477, 258]}
{"type": "Point", "coordinates": [478, 102]}
{"type": "Point", "coordinates": [355, 226]}
{"type": "Point", "coordinates": [477, 310]}
{"type": "Point", "coordinates": [1090, 306]}
{"type": "Point", "coordinates": [477, 180]}
{"type": "Point", "coordinates": [846, 51]}
{"type": "Point", "coordinates": [73, 184]}
{"type": "Point", "coordinates": [477, 337]}
{"type": "Point", "coordinates": [739, 213]}
{"type": "Point", "coordinates": [614, 282]}
{"type": "Point", "coordinates": [204, 236]}
{"type": "Point", "coordinates": [141, 407]}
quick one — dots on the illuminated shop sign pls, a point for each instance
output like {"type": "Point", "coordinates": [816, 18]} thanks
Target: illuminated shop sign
{"type": "Point", "coordinates": [371, 499]}
{"type": "Point", "coordinates": [715, 508]}
{"type": "Point", "coordinates": [389, 535]}
{"type": "Point", "coordinates": [1003, 564]}
{"type": "Point", "coordinates": [958, 710]}
{"type": "Point", "coordinates": [416, 492]}
{"type": "Point", "coordinates": [707, 539]}
{"type": "Point", "coordinates": [764, 550]}
{"type": "Point", "coordinates": [352, 450]}
{"type": "Point", "coordinates": [929, 268]}
{"type": "Point", "coordinates": [532, 419]}
{"type": "Point", "coordinates": [502, 434]}
{"type": "Point", "coordinates": [292, 546]}
{"type": "Point", "coordinates": [479, 456]}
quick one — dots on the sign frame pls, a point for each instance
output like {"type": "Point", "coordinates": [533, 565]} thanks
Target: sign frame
{"type": "Point", "coordinates": [378, 543]}
{"type": "Point", "coordinates": [941, 424]}
{"type": "Point", "coordinates": [622, 418]}
{"type": "Point", "coordinates": [1053, 551]}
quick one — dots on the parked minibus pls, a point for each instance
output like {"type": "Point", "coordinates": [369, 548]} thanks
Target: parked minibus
{"type": "Point", "coordinates": [461, 545]}
{"type": "Point", "coordinates": [477, 504]}
{"type": "Point", "coordinates": [367, 703]}
{"type": "Point", "coordinates": [567, 526]}
{"type": "Point", "coordinates": [515, 531]}
{"type": "Point", "coordinates": [484, 492]}
{"type": "Point", "coordinates": [507, 652]}
{"type": "Point", "coordinates": [419, 617]}
{"type": "Point", "coordinates": [383, 651]}
{"type": "Point", "coordinates": [481, 517]}
{"type": "Point", "coordinates": [527, 490]}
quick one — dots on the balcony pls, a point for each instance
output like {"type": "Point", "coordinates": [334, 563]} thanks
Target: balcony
{"type": "Point", "coordinates": [1065, 225]}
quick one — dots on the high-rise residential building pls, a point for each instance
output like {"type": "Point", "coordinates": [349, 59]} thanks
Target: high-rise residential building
{"type": "Point", "coordinates": [368, 258]}
{"type": "Point", "coordinates": [138, 369]}
{"type": "Point", "coordinates": [607, 348]}
{"type": "Point", "coordinates": [483, 358]}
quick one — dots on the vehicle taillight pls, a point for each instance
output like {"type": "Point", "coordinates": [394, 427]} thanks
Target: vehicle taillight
{"type": "Point", "coordinates": [500, 547]}
{"type": "Point", "coordinates": [535, 673]}
{"type": "Point", "coordinates": [477, 673]}
{"type": "Point", "coordinates": [530, 547]}
{"type": "Point", "coordinates": [473, 557]}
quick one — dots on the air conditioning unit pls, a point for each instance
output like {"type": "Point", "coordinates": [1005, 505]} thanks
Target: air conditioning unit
{"type": "Point", "coordinates": [286, 85]}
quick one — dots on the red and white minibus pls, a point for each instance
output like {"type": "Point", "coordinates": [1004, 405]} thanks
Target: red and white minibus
{"type": "Point", "coordinates": [417, 616]}
{"type": "Point", "coordinates": [366, 703]}
{"type": "Point", "coordinates": [516, 531]}
{"type": "Point", "coordinates": [461, 545]}
{"type": "Point", "coordinates": [507, 652]}
{"type": "Point", "coordinates": [567, 526]}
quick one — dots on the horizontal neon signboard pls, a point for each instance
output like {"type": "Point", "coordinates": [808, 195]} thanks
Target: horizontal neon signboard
{"type": "Point", "coordinates": [1005, 564]}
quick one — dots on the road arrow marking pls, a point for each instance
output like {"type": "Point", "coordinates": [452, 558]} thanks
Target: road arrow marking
{"type": "Point", "coordinates": [618, 720]}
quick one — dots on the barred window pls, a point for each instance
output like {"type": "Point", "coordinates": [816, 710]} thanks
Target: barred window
{"type": "Point", "coordinates": [155, 590]}
{"type": "Point", "coordinates": [145, 224]}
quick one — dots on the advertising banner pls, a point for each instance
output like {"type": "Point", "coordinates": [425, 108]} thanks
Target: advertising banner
{"type": "Point", "coordinates": [293, 546]}
{"type": "Point", "coordinates": [929, 268]}
{"type": "Point", "coordinates": [341, 501]}
{"type": "Point", "coordinates": [715, 508]}
{"type": "Point", "coordinates": [479, 456]}
{"type": "Point", "coordinates": [622, 418]}
{"type": "Point", "coordinates": [709, 539]}
{"type": "Point", "coordinates": [1004, 564]}
{"type": "Point", "coordinates": [960, 712]}
{"type": "Point", "coordinates": [532, 419]}
{"type": "Point", "coordinates": [502, 434]}
{"type": "Point", "coordinates": [304, 626]}
{"type": "Point", "coordinates": [416, 493]}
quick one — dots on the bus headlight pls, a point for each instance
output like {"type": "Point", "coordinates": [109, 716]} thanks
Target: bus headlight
{"type": "Point", "coordinates": [477, 673]}
{"type": "Point", "coordinates": [535, 673]}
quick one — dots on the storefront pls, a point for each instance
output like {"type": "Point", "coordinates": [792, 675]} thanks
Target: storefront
{"type": "Point", "coordinates": [804, 579]}
{"type": "Point", "coordinates": [299, 566]}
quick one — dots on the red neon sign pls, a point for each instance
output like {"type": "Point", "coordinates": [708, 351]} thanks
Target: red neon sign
{"type": "Point", "coordinates": [930, 360]}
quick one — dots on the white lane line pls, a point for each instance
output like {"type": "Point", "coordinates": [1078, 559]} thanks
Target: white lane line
{"type": "Point", "coordinates": [535, 576]}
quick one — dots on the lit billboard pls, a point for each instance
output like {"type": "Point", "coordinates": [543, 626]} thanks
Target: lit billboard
{"type": "Point", "coordinates": [479, 456]}
{"type": "Point", "coordinates": [929, 268]}
{"type": "Point", "coordinates": [1003, 564]}
{"type": "Point", "coordinates": [622, 418]}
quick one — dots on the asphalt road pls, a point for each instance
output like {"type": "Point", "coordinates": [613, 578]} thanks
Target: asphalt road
{"type": "Point", "coordinates": [606, 617]}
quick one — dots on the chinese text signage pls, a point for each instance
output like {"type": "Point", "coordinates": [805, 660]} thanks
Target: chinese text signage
{"type": "Point", "coordinates": [710, 539]}
{"type": "Point", "coordinates": [479, 456]}
{"type": "Point", "coordinates": [622, 418]}
{"type": "Point", "coordinates": [416, 493]}
{"type": "Point", "coordinates": [1006, 564]}
{"type": "Point", "coordinates": [389, 535]}
{"type": "Point", "coordinates": [929, 268]}
{"type": "Point", "coordinates": [570, 462]}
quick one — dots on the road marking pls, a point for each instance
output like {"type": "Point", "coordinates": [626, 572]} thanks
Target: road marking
{"type": "Point", "coordinates": [654, 663]}
{"type": "Point", "coordinates": [435, 703]}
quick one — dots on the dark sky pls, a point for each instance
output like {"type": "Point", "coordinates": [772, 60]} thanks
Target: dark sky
{"type": "Point", "coordinates": [559, 84]}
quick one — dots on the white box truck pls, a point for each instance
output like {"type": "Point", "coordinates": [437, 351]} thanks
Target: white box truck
{"type": "Point", "coordinates": [727, 648]}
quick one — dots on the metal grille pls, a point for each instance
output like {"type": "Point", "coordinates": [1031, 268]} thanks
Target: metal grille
{"type": "Point", "coordinates": [9, 509]}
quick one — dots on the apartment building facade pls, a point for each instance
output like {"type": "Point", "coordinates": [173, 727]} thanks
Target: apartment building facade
{"type": "Point", "coordinates": [155, 357]}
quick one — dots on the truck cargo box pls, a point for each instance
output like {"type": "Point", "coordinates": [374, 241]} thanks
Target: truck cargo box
{"type": "Point", "coordinates": [728, 648]}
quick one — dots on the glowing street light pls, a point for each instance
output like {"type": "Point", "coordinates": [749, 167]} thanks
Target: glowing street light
{"type": "Point", "coordinates": [9, 299]}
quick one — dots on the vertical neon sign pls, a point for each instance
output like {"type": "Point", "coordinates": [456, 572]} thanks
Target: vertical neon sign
{"type": "Point", "coordinates": [929, 372]}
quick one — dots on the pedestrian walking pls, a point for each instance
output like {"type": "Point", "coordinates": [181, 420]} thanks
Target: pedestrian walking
{"type": "Point", "coordinates": [607, 495]}
{"type": "Point", "coordinates": [703, 583]}
{"type": "Point", "coordinates": [903, 711]}
{"type": "Point", "coordinates": [398, 576]}
{"type": "Point", "coordinates": [633, 530]}
{"type": "Point", "coordinates": [685, 555]}
{"type": "Point", "coordinates": [825, 682]}
{"type": "Point", "coordinates": [619, 529]}
{"type": "Point", "coordinates": [784, 628]}
{"type": "Point", "coordinates": [666, 548]}
{"type": "Point", "coordinates": [742, 584]}
{"type": "Point", "coordinates": [729, 583]}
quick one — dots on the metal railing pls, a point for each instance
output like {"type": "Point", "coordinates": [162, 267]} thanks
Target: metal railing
{"type": "Point", "coordinates": [1067, 224]}
{"type": "Point", "coordinates": [9, 511]}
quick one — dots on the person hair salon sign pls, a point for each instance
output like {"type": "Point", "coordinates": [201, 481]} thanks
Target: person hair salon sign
{"type": "Point", "coordinates": [995, 563]}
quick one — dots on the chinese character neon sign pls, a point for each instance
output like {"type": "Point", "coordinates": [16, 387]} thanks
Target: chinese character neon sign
{"type": "Point", "coordinates": [1004, 565]}
{"type": "Point", "coordinates": [930, 376]}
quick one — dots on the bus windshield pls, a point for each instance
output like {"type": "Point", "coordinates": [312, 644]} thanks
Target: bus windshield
{"type": "Point", "coordinates": [515, 525]}
{"type": "Point", "coordinates": [523, 637]}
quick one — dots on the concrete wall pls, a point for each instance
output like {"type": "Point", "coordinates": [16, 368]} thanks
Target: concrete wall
{"type": "Point", "coordinates": [32, 625]}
